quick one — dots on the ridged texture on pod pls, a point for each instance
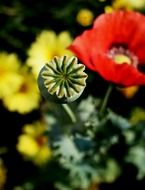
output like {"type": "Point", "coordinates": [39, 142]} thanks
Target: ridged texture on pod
{"type": "Point", "coordinates": [62, 80]}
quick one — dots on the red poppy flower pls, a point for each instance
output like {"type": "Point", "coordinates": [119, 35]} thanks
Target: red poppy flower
{"type": "Point", "coordinates": [115, 47]}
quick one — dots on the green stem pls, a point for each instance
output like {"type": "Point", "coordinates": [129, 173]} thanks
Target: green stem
{"type": "Point", "coordinates": [105, 100]}
{"type": "Point", "coordinates": [69, 112]}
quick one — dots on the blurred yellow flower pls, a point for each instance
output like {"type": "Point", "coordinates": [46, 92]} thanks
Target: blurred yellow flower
{"type": "Point", "coordinates": [2, 175]}
{"type": "Point", "coordinates": [47, 45]}
{"type": "Point", "coordinates": [9, 77]}
{"type": "Point", "coordinates": [43, 155]}
{"type": "Point", "coordinates": [85, 17]}
{"type": "Point", "coordinates": [128, 4]}
{"type": "Point", "coordinates": [27, 145]}
{"type": "Point", "coordinates": [33, 145]}
{"type": "Point", "coordinates": [108, 9]}
{"type": "Point", "coordinates": [26, 97]}
{"type": "Point", "coordinates": [36, 129]}
{"type": "Point", "coordinates": [129, 92]}
{"type": "Point", "coordinates": [137, 115]}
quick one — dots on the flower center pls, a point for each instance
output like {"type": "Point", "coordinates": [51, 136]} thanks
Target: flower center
{"type": "Point", "coordinates": [23, 88]}
{"type": "Point", "coordinates": [120, 58]}
{"type": "Point", "coordinates": [122, 55]}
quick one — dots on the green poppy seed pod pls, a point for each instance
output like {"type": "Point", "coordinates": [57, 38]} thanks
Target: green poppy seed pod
{"type": "Point", "coordinates": [62, 80]}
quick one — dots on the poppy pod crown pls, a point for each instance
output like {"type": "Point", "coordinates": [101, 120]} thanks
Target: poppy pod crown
{"type": "Point", "coordinates": [114, 47]}
{"type": "Point", "coordinates": [62, 80]}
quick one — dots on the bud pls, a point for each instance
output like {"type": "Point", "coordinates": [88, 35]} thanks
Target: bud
{"type": "Point", "coordinates": [62, 80]}
{"type": "Point", "coordinates": [85, 17]}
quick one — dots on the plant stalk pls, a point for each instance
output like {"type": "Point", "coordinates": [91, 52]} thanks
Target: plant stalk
{"type": "Point", "coordinates": [105, 100]}
{"type": "Point", "coordinates": [69, 112]}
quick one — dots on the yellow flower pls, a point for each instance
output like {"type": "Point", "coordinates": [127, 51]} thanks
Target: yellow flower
{"type": "Point", "coordinates": [26, 97]}
{"type": "Point", "coordinates": [108, 9]}
{"type": "Point", "coordinates": [137, 115]}
{"type": "Point", "coordinates": [85, 17]}
{"type": "Point", "coordinates": [27, 145]}
{"type": "Point", "coordinates": [129, 92]}
{"type": "Point", "coordinates": [35, 129]}
{"type": "Point", "coordinates": [2, 175]}
{"type": "Point", "coordinates": [46, 46]}
{"type": "Point", "coordinates": [9, 77]}
{"type": "Point", "coordinates": [43, 155]}
{"type": "Point", "coordinates": [128, 4]}
{"type": "Point", "coordinates": [33, 145]}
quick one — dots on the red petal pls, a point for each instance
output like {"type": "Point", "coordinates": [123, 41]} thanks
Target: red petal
{"type": "Point", "coordinates": [122, 74]}
{"type": "Point", "coordinates": [82, 48]}
{"type": "Point", "coordinates": [124, 27]}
